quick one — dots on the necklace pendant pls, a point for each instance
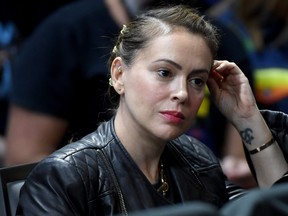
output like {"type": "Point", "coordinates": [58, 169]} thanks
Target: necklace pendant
{"type": "Point", "coordinates": [164, 187]}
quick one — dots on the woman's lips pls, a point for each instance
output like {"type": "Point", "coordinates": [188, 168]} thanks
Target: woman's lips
{"type": "Point", "coordinates": [173, 116]}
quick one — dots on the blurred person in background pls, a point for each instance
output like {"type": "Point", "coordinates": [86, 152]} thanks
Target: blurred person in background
{"type": "Point", "coordinates": [9, 40]}
{"type": "Point", "coordinates": [17, 21]}
{"type": "Point", "coordinates": [262, 27]}
{"type": "Point", "coordinates": [59, 78]}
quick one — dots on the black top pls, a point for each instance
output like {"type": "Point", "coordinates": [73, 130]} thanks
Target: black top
{"type": "Point", "coordinates": [61, 68]}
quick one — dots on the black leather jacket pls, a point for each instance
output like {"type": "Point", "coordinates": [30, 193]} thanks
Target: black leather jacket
{"type": "Point", "coordinates": [97, 176]}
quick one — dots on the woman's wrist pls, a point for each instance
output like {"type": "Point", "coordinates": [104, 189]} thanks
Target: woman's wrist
{"type": "Point", "coordinates": [269, 164]}
{"type": "Point", "coordinates": [254, 132]}
{"type": "Point", "coordinates": [263, 146]}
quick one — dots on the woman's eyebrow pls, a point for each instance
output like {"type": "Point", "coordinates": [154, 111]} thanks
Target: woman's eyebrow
{"type": "Point", "coordinates": [171, 62]}
{"type": "Point", "coordinates": [178, 66]}
{"type": "Point", "coordinates": [198, 71]}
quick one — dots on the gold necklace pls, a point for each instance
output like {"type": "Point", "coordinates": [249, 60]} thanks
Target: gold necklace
{"type": "Point", "coordinates": [164, 187]}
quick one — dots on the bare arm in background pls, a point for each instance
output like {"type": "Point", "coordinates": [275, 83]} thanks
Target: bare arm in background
{"type": "Point", "coordinates": [31, 136]}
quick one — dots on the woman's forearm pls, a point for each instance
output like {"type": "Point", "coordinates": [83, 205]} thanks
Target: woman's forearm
{"type": "Point", "coordinates": [264, 151]}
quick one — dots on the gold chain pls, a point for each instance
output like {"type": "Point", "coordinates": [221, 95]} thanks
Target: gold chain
{"type": "Point", "coordinates": [164, 187]}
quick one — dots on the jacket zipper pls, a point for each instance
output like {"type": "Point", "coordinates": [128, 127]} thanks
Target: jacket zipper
{"type": "Point", "coordinates": [116, 184]}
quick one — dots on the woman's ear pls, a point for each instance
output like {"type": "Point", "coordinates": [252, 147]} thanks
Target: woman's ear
{"type": "Point", "coordinates": [117, 75]}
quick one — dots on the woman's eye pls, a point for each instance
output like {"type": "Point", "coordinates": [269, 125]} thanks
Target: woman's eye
{"type": "Point", "coordinates": [164, 73]}
{"type": "Point", "coordinates": [197, 82]}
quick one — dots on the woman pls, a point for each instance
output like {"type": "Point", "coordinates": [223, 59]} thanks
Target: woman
{"type": "Point", "coordinates": [140, 158]}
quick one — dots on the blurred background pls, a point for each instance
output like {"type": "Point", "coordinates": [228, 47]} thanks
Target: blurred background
{"type": "Point", "coordinates": [254, 34]}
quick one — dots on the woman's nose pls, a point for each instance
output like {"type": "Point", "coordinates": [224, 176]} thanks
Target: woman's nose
{"type": "Point", "coordinates": [180, 92]}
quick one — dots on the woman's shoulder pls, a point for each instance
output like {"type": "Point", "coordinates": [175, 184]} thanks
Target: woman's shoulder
{"type": "Point", "coordinates": [73, 158]}
{"type": "Point", "coordinates": [194, 150]}
{"type": "Point", "coordinates": [83, 152]}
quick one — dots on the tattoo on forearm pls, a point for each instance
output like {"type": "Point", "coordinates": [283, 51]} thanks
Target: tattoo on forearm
{"type": "Point", "coordinates": [247, 135]}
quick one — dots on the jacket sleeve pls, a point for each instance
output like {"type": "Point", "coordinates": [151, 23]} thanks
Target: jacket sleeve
{"type": "Point", "coordinates": [54, 187]}
{"type": "Point", "coordinates": [278, 123]}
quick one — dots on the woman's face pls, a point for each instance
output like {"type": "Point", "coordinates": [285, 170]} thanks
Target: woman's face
{"type": "Point", "coordinates": [164, 87]}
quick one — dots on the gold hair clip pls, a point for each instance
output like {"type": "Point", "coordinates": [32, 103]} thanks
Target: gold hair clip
{"type": "Point", "coordinates": [114, 49]}
{"type": "Point", "coordinates": [123, 29]}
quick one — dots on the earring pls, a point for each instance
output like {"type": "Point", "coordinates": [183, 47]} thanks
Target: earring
{"type": "Point", "coordinates": [110, 81]}
{"type": "Point", "coordinates": [119, 69]}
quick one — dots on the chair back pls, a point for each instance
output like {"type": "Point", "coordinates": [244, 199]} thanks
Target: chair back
{"type": "Point", "coordinates": [11, 180]}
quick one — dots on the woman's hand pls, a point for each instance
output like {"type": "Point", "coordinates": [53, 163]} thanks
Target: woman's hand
{"type": "Point", "coordinates": [233, 96]}
{"type": "Point", "coordinates": [231, 91]}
